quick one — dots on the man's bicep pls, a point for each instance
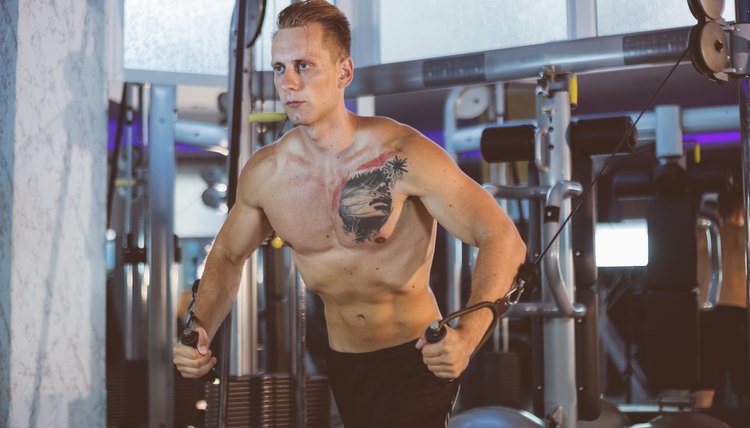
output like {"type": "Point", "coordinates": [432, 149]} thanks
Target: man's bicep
{"type": "Point", "coordinates": [464, 209]}
{"type": "Point", "coordinates": [244, 230]}
{"type": "Point", "coordinates": [456, 201]}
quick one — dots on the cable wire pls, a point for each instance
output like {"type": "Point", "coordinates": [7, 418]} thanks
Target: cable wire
{"type": "Point", "coordinates": [609, 159]}
{"type": "Point", "coordinates": [528, 271]}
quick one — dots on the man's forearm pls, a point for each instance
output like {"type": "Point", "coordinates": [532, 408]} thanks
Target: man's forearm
{"type": "Point", "coordinates": [217, 291]}
{"type": "Point", "coordinates": [497, 263]}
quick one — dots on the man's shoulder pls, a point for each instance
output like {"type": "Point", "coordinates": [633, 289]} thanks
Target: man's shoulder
{"type": "Point", "coordinates": [386, 125]}
{"type": "Point", "coordinates": [396, 135]}
{"type": "Point", "coordinates": [270, 155]}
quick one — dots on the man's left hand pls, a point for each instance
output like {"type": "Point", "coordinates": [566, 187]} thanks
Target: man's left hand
{"type": "Point", "coordinates": [449, 357]}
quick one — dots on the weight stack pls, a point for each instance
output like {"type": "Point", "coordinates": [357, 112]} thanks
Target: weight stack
{"type": "Point", "coordinates": [127, 393]}
{"type": "Point", "coordinates": [271, 401]}
{"type": "Point", "coordinates": [187, 392]}
{"type": "Point", "coordinates": [502, 382]}
{"type": "Point", "coordinates": [266, 401]}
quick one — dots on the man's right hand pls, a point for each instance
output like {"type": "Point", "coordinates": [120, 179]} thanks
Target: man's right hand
{"type": "Point", "coordinates": [194, 362]}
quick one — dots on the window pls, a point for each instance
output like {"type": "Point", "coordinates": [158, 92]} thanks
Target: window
{"type": "Point", "coordinates": [418, 29]}
{"type": "Point", "coordinates": [632, 16]}
{"type": "Point", "coordinates": [622, 244]}
{"type": "Point", "coordinates": [176, 36]}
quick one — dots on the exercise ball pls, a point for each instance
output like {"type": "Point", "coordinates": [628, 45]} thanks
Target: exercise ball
{"type": "Point", "coordinates": [495, 417]}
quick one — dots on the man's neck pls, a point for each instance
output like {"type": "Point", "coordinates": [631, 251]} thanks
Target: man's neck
{"type": "Point", "coordinates": [333, 135]}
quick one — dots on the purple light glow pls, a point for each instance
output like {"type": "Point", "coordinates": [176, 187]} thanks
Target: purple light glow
{"type": "Point", "coordinates": [112, 131]}
{"type": "Point", "coordinates": [712, 137]}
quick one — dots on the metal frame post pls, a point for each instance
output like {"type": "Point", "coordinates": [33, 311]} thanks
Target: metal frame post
{"type": "Point", "coordinates": [742, 11]}
{"type": "Point", "coordinates": [559, 333]}
{"type": "Point", "coordinates": [298, 346]}
{"type": "Point", "coordinates": [161, 325]}
{"type": "Point", "coordinates": [581, 19]}
{"type": "Point", "coordinates": [244, 338]}
{"type": "Point", "coordinates": [453, 246]}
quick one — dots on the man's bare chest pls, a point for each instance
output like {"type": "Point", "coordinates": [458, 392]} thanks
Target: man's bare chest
{"type": "Point", "coordinates": [317, 209]}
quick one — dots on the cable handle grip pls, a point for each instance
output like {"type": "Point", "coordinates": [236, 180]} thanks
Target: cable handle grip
{"type": "Point", "coordinates": [190, 338]}
{"type": "Point", "coordinates": [528, 275]}
{"type": "Point", "coordinates": [435, 332]}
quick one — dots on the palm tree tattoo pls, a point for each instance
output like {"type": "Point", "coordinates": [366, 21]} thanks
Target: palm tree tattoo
{"type": "Point", "coordinates": [365, 201]}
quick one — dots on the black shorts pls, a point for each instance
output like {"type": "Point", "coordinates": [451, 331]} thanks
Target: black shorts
{"type": "Point", "coordinates": [389, 388]}
{"type": "Point", "coordinates": [724, 347]}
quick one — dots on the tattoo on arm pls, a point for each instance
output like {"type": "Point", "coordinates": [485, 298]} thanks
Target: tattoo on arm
{"type": "Point", "coordinates": [364, 198]}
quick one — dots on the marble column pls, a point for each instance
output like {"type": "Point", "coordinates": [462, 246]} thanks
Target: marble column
{"type": "Point", "coordinates": [53, 159]}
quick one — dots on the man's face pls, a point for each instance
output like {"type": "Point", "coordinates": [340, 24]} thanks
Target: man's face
{"type": "Point", "coordinates": [305, 73]}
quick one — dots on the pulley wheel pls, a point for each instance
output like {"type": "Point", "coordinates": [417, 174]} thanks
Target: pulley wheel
{"type": "Point", "coordinates": [708, 47]}
{"type": "Point", "coordinates": [706, 10]}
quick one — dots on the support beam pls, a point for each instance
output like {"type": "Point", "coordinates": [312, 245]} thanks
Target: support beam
{"type": "Point", "coordinates": [161, 324]}
{"type": "Point", "coordinates": [502, 65]}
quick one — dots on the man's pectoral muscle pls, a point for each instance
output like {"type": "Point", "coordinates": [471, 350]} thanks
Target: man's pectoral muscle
{"type": "Point", "coordinates": [363, 199]}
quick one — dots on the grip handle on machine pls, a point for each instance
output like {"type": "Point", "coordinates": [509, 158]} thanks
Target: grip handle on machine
{"type": "Point", "coordinates": [435, 333]}
{"type": "Point", "coordinates": [190, 338]}
{"type": "Point", "coordinates": [528, 275]}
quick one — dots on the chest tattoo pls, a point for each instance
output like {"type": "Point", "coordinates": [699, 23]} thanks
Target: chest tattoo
{"type": "Point", "coordinates": [364, 197]}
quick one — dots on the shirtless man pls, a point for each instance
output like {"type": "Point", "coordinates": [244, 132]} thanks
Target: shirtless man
{"type": "Point", "coordinates": [723, 329]}
{"type": "Point", "coordinates": [357, 200]}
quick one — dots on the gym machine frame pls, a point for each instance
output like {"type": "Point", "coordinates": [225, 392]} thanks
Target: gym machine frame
{"type": "Point", "coordinates": [513, 64]}
{"type": "Point", "coordinates": [518, 63]}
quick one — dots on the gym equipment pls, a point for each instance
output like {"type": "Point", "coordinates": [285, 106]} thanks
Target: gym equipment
{"type": "Point", "coordinates": [670, 350]}
{"type": "Point", "coordinates": [189, 337]}
{"type": "Point", "coordinates": [553, 115]}
{"type": "Point", "coordinates": [683, 420]}
{"type": "Point", "coordinates": [708, 42]}
{"type": "Point", "coordinates": [527, 274]}
{"type": "Point", "coordinates": [495, 417]}
{"type": "Point", "coordinates": [505, 65]}
{"type": "Point", "coordinates": [610, 417]}
{"type": "Point", "coordinates": [267, 400]}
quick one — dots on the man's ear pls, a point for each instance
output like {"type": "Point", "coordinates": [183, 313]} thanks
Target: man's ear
{"type": "Point", "coordinates": [346, 72]}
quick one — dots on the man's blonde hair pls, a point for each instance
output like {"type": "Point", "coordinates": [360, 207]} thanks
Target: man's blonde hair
{"type": "Point", "coordinates": [337, 33]}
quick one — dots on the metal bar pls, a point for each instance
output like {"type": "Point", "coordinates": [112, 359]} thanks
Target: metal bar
{"type": "Point", "coordinates": [552, 269]}
{"type": "Point", "coordinates": [516, 192]}
{"type": "Point", "coordinates": [244, 315]}
{"type": "Point", "coordinates": [236, 86]}
{"type": "Point", "coordinates": [161, 323]}
{"type": "Point", "coordinates": [298, 347]}
{"type": "Point", "coordinates": [559, 333]}
{"type": "Point", "coordinates": [544, 310]}
{"type": "Point", "coordinates": [142, 216]}
{"type": "Point", "coordinates": [742, 11]}
{"type": "Point", "coordinates": [201, 135]}
{"type": "Point", "coordinates": [244, 342]}
{"type": "Point", "coordinates": [449, 120]}
{"type": "Point", "coordinates": [713, 238]}
{"type": "Point", "coordinates": [128, 269]}
{"type": "Point", "coordinates": [455, 263]}
{"type": "Point", "coordinates": [454, 247]}
{"type": "Point", "coordinates": [669, 134]}
{"type": "Point", "coordinates": [502, 65]}
{"type": "Point", "coordinates": [694, 120]}
{"type": "Point", "coordinates": [581, 19]}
